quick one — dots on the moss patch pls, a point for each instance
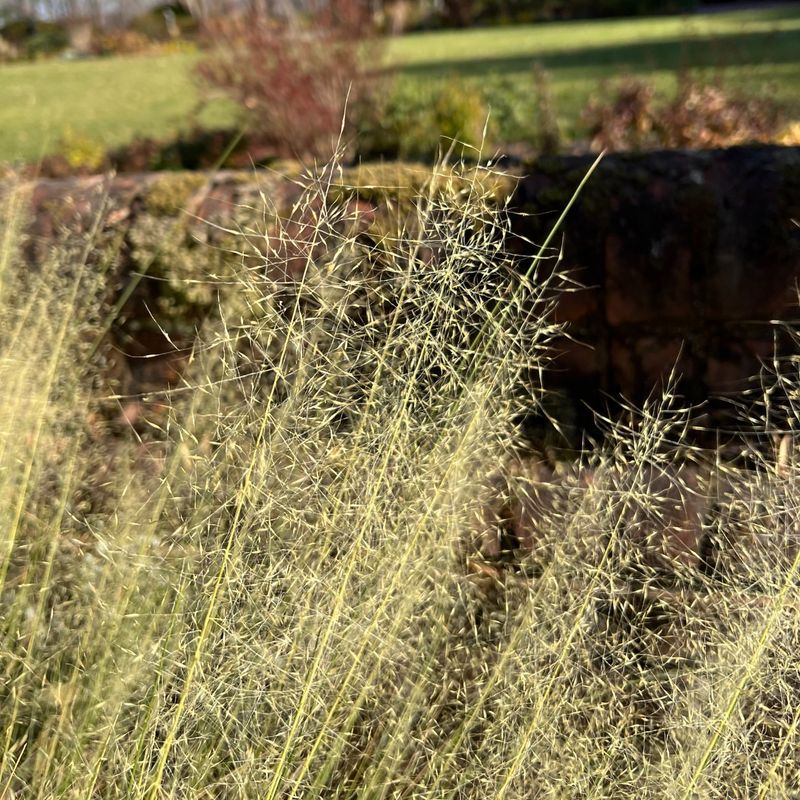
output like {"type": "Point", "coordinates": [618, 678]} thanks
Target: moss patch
{"type": "Point", "coordinates": [170, 193]}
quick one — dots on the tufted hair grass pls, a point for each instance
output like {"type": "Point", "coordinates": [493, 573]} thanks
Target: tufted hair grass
{"type": "Point", "coordinates": [290, 589]}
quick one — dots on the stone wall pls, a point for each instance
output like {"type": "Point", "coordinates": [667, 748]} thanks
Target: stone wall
{"type": "Point", "coordinates": [687, 259]}
{"type": "Point", "coordinates": [163, 234]}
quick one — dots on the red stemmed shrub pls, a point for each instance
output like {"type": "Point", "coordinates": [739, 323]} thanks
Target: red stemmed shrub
{"type": "Point", "coordinates": [294, 77]}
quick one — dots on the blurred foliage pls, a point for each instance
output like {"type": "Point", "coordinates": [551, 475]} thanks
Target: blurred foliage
{"type": "Point", "coordinates": [154, 26]}
{"type": "Point", "coordinates": [292, 80]}
{"type": "Point", "coordinates": [82, 153]}
{"type": "Point", "coordinates": [629, 115]}
{"type": "Point", "coordinates": [467, 12]}
{"type": "Point", "coordinates": [33, 38]}
{"type": "Point", "coordinates": [125, 42]}
{"type": "Point", "coordinates": [790, 135]}
{"type": "Point", "coordinates": [414, 121]}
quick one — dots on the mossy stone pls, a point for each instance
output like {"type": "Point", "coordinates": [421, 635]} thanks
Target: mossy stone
{"type": "Point", "coordinates": [170, 193]}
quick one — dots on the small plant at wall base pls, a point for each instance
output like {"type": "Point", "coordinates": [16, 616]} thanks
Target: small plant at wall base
{"type": "Point", "coordinates": [82, 153]}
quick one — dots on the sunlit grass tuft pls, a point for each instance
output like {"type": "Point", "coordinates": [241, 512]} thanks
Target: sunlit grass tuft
{"type": "Point", "coordinates": [311, 593]}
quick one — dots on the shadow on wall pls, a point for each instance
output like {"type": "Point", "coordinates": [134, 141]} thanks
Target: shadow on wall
{"type": "Point", "coordinates": [689, 260]}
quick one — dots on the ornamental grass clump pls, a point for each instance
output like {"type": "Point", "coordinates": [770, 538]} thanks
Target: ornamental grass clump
{"type": "Point", "coordinates": [373, 369]}
{"type": "Point", "coordinates": [315, 578]}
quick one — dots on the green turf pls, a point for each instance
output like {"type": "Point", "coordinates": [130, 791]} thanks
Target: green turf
{"type": "Point", "coordinates": [110, 100]}
{"type": "Point", "coordinates": [756, 50]}
{"type": "Point", "coordinates": [115, 99]}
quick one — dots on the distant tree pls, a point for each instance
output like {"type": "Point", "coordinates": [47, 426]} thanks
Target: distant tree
{"type": "Point", "coordinates": [16, 9]}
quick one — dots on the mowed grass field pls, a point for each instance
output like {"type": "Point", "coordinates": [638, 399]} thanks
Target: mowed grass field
{"type": "Point", "coordinates": [114, 100]}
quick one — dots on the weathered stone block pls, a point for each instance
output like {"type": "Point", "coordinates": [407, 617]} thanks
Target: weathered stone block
{"type": "Point", "coordinates": [687, 250]}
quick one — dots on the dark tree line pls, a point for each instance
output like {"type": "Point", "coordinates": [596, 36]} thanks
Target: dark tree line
{"type": "Point", "coordinates": [105, 9]}
{"type": "Point", "coordinates": [452, 12]}
{"type": "Point", "coordinates": [98, 10]}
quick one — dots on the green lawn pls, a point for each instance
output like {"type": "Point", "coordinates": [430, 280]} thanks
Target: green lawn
{"type": "Point", "coordinates": [115, 99]}
{"type": "Point", "coordinates": [110, 100]}
{"type": "Point", "coordinates": [758, 50]}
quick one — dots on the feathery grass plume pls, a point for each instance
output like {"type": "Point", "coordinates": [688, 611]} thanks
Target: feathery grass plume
{"type": "Point", "coordinates": [377, 355]}
{"type": "Point", "coordinates": [82, 594]}
{"type": "Point", "coordinates": [347, 579]}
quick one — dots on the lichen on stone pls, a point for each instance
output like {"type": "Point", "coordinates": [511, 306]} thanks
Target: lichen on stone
{"type": "Point", "coordinates": [169, 194]}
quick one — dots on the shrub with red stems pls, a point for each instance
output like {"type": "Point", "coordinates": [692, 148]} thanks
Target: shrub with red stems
{"type": "Point", "coordinates": [295, 79]}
